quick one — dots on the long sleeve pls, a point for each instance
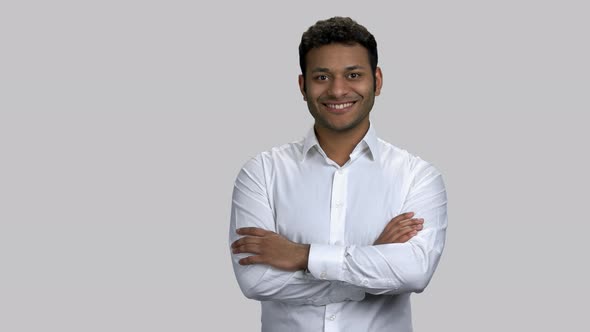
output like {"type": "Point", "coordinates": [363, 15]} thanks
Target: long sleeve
{"type": "Point", "coordinates": [399, 267]}
{"type": "Point", "coordinates": [251, 208]}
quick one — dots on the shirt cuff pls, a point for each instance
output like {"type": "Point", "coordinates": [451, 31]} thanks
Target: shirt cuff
{"type": "Point", "coordinates": [325, 261]}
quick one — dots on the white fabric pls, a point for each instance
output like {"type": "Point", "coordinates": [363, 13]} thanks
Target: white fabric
{"type": "Point", "coordinates": [352, 285]}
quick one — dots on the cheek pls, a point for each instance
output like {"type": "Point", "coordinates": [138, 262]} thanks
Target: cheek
{"type": "Point", "coordinates": [364, 87]}
{"type": "Point", "coordinates": [366, 91]}
{"type": "Point", "coordinates": [313, 91]}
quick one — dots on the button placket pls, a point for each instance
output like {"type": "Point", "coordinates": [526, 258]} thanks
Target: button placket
{"type": "Point", "coordinates": [338, 206]}
{"type": "Point", "coordinates": [337, 227]}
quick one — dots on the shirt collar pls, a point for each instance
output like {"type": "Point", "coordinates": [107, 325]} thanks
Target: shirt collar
{"type": "Point", "coordinates": [370, 139]}
{"type": "Point", "coordinates": [309, 142]}
{"type": "Point", "coordinates": [372, 142]}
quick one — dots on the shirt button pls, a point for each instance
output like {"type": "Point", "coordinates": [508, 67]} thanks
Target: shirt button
{"type": "Point", "coordinates": [323, 275]}
{"type": "Point", "coordinates": [332, 317]}
{"type": "Point", "coordinates": [339, 171]}
{"type": "Point", "coordinates": [365, 281]}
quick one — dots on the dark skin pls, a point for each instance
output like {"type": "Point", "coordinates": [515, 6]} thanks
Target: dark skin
{"type": "Point", "coordinates": [339, 74]}
{"type": "Point", "coordinates": [273, 249]}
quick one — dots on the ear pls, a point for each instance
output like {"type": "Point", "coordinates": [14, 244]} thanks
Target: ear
{"type": "Point", "coordinates": [378, 81]}
{"type": "Point", "coordinates": [302, 86]}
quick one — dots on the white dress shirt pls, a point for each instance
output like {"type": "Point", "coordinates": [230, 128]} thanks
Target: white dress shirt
{"type": "Point", "coordinates": [352, 285]}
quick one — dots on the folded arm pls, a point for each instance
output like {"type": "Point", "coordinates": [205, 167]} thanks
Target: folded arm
{"type": "Point", "coordinates": [393, 268]}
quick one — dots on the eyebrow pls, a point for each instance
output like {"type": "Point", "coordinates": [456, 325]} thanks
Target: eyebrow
{"type": "Point", "coordinates": [326, 70]}
{"type": "Point", "coordinates": [320, 70]}
{"type": "Point", "coordinates": [349, 68]}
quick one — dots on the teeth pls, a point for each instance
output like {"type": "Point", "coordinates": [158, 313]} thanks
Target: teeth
{"type": "Point", "coordinates": [339, 106]}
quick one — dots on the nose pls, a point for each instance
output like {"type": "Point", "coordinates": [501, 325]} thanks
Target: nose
{"type": "Point", "coordinates": [338, 87]}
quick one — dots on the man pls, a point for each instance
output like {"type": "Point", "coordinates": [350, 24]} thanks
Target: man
{"type": "Point", "coordinates": [317, 231]}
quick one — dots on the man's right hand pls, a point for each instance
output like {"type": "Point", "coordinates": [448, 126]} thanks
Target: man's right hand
{"type": "Point", "coordinates": [400, 229]}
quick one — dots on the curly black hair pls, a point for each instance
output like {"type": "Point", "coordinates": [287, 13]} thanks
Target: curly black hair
{"type": "Point", "coordinates": [337, 30]}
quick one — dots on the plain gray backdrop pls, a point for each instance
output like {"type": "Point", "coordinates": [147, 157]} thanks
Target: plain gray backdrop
{"type": "Point", "coordinates": [124, 123]}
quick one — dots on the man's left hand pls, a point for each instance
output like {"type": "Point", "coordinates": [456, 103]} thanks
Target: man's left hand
{"type": "Point", "coordinates": [271, 249]}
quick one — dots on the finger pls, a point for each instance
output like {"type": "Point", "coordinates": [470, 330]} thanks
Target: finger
{"type": "Point", "coordinates": [253, 231]}
{"type": "Point", "coordinates": [407, 228]}
{"type": "Point", "coordinates": [247, 249]}
{"type": "Point", "coordinates": [411, 222]}
{"type": "Point", "coordinates": [251, 260]}
{"type": "Point", "coordinates": [407, 222]}
{"type": "Point", "coordinates": [403, 237]}
{"type": "Point", "coordinates": [416, 227]}
{"type": "Point", "coordinates": [403, 216]}
{"type": "Point", "coordinates": [393, 226]}
{"type": "Point", "coordinates": [399, 219]}
{"type": "Point", "coordinates": [246, 240]}
{"type": "Point", "coordinates": [403, 231]}
{"type": "Point", "coordinates": [393, 235]}
{"type": "Point", "coordinates": [397, 236]}
{"type": "Point", "coordinates": [400, 237]}
{"type": "Point", "coordinates": [407, 237]}
{"type": "Point", "coordinates": [397, 227]}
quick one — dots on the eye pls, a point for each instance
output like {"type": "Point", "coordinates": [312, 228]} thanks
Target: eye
{"type": "Point", "coordinates": [354, 75]}
{"type": "Point", "coordinates": [321, 77]}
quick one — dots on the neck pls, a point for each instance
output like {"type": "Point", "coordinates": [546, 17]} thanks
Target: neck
{"type": "Point", "coordinates": [338, 145]}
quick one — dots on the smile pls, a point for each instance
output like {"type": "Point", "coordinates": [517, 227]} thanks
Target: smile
{"type": "Point", "coordinates": [339, 106]}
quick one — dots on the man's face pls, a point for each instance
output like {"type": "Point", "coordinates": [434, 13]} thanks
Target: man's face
{"type": "Point", "coordinates": [339, 86]}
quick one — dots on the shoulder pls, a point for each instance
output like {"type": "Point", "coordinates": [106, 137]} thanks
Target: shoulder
{"type": "Point", "coordinates": [405, 163]}
{"type": "Point", "coordinates": [265, 162]}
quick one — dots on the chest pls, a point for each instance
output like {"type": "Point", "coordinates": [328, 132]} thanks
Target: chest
{"type": "Point", "coordinates": [349, 206]}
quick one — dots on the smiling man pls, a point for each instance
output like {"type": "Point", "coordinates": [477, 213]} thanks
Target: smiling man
{"type": "Point", "coordinates": [335, 231]}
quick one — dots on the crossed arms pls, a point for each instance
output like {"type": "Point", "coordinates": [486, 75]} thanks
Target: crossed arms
{"type": "Point", "coordinates": [270, 267]}
{"type": "Point", "coordinates": [277, 251]}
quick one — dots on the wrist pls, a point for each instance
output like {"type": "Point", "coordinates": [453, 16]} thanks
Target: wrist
{"type": "Point", "coordinates": [304, 256]}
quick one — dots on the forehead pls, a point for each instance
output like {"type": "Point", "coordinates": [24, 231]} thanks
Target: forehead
{"type": "Point", "coordinates": [337, 56]}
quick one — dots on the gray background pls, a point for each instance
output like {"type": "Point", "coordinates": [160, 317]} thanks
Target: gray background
{"type": "Point", "coordinates": [124, 123]}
